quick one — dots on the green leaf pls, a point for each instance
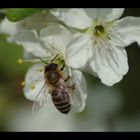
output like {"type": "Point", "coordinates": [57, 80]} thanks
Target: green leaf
{"type": "Point", "coordinates": [16, 14]}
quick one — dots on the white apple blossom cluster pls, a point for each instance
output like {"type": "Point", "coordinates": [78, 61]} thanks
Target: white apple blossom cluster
{"type": "Point", "coordinates": [90, 40]}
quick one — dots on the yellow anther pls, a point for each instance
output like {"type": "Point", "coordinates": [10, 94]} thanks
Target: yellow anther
{"type": "Point", "coordinates": [39, 70]}
{"type": "Point", "coordinates": [20, 61]}
{"type": "Point", "coordinates": [23, 83]}
{"type": "Point", "coordinates": [32, 87]}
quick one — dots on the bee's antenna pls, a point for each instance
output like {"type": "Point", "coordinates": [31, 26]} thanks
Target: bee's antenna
{"type": "Point", "coordinates": [54, 58]}
{"type": "Point", "coordinates": [42, 60]}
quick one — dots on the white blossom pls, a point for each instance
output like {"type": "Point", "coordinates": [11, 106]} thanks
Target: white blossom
{"type": "Point", "coordinates": [47, 44]}
{"type": "Point", "coordinates": [101, 40]}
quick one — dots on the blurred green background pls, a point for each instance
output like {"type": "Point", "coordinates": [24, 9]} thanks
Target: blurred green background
{"type": "Point", "coordinates": [114, 108]}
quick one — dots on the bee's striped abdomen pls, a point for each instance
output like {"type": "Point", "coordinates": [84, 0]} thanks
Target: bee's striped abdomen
{"type": "Point", "coordinates": [61, 100]}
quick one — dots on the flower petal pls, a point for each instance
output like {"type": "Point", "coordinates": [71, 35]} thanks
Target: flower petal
{"type": "Point", "coordinates": [57, 37]}
{"type": "Point", "coordinates": [31, 43]}
{"type": "Point", "coordinates": [73, 17]}
{"type": "Point", "coordinates": [105, 14]}
{"type": "Point", "coordinates": [38, 21]}
{"type": "Point", "coordinates": [27, 55]}
{"type": "Point", "coordinates": [34, 81]}
{"type": "Point", "coordinates": [8, 27]}
{"type": "Point", "coordinates": [110, 63]}
{"type": "Point", "coordinates": [80, 94]}
{"type": "Point", "coordinates": [128, 30]}
{"type": "Point", "coordinates": [112, 14]}
{"type": "Point", "coordinates": [79, 51]}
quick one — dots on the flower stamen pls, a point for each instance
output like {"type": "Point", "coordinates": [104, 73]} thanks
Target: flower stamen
{"type": "Point", "coordinates": [99, 29]}
{"type": "Point", "coordinates": [32, 87]}
{"type": "Point", "coordinates": [20, 61]}
{"type": "Point", "coordinates": [23, 83]}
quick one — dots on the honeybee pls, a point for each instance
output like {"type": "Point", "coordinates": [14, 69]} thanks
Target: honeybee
{"type": "Point", "coordinates": [59, 88]}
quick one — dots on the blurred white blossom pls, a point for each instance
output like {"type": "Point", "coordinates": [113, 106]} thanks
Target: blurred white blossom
{"type": "Point", "coordinates": [33, 22]}
{"type": "Point", "coordinates": [103, 104]}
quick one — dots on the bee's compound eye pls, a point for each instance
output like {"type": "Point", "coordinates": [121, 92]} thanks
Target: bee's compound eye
{"type": "Point", "coordinates": [47, 68]}
{"type": "Point", "coordinates": [53, 66]}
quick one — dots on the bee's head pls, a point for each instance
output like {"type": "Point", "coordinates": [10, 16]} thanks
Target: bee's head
{"type": "Point", "coordinates": [51, 67]}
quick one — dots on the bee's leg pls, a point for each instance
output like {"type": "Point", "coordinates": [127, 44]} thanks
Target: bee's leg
{"type": "Point", "coordinates": [63, 67]}
{"type": "Point", "coordinates": [72, 87]}
{"type": "Point", "coordinates": [67, 78]}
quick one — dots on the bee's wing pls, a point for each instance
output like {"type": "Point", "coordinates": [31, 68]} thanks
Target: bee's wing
{"type": "Point", "coordinates": [65, 86]}
{"type": "Point", "coordinates": [79, 94]}
{"type": "Point", "coordinates": [68, 87]}
{"type": "Point", "coordinates": [77, 101]}
{"type": "Point", "coordinates": [80, 91]}
{"type": "Point", "coordinates": [41, 99]}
